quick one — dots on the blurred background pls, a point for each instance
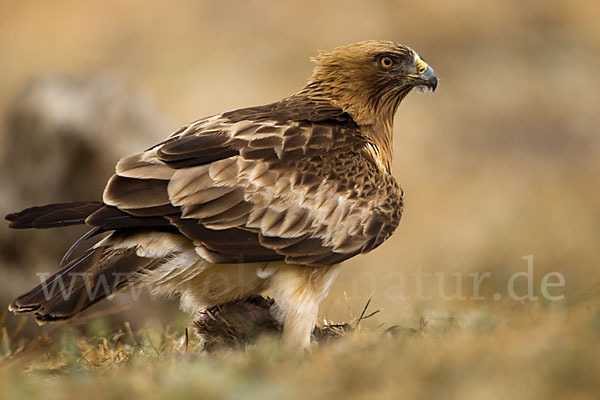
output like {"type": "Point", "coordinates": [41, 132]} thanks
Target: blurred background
{"type": "Point", "coordinates": [501, 162]}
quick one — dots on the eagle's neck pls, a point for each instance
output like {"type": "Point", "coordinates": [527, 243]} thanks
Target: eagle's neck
{"type": "Point", "coordinates": [372, 112]}
{"type": "Point", "coordinates": [381, 135]}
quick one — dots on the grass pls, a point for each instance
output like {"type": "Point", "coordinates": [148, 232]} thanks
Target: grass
{"type": "Point", "coordinates": [543, 353]}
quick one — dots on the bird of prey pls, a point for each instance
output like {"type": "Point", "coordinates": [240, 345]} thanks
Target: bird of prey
{"type": "Point", "coordinates": [268, 198]}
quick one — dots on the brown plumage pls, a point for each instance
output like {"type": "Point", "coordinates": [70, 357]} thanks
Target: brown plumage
{"type": "Point", "coordinates": [269, 197]}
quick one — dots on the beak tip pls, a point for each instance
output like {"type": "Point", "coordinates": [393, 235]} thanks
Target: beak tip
{"type": "Point", "coordinates": [430, 77]}
{"type": "Point", "coordinates": [434, 84]}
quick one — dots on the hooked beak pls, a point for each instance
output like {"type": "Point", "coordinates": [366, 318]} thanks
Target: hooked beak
{"type": "Point", "coordinates": [428, 79]}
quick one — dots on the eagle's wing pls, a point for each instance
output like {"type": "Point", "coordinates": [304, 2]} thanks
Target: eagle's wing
{"type": "Point", "coordinates": [253, 185]}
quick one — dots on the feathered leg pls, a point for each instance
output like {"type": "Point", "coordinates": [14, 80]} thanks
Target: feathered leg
{"type": "Point", "coordinates": [298, 291]}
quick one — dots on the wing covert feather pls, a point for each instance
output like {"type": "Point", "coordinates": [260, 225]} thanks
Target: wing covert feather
{"type": "Point", "coordinates": [252, 186]}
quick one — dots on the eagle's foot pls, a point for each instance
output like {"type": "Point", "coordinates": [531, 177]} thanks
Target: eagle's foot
{"type": "Point", "coordinates": [237, 324]}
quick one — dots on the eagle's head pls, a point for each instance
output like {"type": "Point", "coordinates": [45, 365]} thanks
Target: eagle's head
{"type": "Point", "coordinates": [369, 79]}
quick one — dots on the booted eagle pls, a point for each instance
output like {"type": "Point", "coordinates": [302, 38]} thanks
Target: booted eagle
{"type": "Point", "coordinates": [267, 198]}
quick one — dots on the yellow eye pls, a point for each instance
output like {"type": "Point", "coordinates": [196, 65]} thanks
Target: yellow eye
{"type": "Point", "coordinates": [386, 62]}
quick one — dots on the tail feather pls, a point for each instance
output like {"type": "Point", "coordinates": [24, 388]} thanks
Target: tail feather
{"type": "Point", "coordinates": [53, 215]}
{"type": "Point", "coordinates": [96, 274]}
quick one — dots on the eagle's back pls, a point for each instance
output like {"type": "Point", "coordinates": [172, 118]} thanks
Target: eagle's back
{"type": "Point", "coordinates": [293, 180]}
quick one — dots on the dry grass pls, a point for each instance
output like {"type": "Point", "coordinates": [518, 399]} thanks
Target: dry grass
{"type": "Point", "coordinates": [545, 354]}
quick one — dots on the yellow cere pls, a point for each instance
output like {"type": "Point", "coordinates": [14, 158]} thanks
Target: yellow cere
{"type": "Point", "coordinates": [421, 66]}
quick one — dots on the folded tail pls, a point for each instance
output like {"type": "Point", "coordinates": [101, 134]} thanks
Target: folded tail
{"type": "Point", "coordinates": [96, 274]}
{"type": "Point", "coordinates": [53, 215]}
{"type": "Point", "coordinates": [95, 214]}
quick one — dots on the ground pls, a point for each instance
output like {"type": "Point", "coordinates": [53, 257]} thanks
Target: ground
{"type": "Point", "coordinates": [523, 352]}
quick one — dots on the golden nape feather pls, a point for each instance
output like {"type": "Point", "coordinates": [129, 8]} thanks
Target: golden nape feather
{"type": "Point", "coordinates": [272, 198]}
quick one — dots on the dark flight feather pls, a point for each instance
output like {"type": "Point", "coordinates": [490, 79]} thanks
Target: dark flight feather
{"type": "Point", "coordinates": [53, 215]}
{"type": "Point", "coordinates": [93, 276]}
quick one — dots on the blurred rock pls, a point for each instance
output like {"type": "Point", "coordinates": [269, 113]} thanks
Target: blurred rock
{"type": "Point", "coordinates": [63, 136]}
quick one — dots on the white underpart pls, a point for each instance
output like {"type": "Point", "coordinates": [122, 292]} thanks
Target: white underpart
{"type": "Point", "coordinates": [298, 290]}
{"type": "Point", "coordinates": [423, 89]}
